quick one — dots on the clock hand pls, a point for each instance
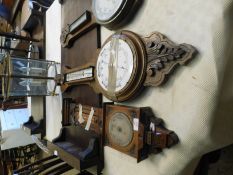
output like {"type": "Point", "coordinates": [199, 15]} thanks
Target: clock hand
{"type": "Point", "coordinates": [105, 62]}
{"type": "Point", "coordinates": [122, 67]}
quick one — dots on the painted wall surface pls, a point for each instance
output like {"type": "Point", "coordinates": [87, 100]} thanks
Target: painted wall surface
{"type": "Point", "coordinates": [53, 52]}
{"type": "Point", "coordinates": [197, 100]}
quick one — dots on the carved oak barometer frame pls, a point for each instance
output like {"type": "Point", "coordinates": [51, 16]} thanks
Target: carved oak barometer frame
{"type": "Point", "coordinates": [152, 59]}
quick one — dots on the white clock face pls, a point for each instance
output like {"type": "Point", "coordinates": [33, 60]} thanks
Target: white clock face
{"type": "Point", "coordinates": [105, 9]}
{"type": "Point", "coordinates": [124, 65]}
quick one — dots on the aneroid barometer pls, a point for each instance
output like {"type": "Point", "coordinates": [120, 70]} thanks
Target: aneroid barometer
{"type": "Point", "coordinates": [120, 129]}
{"type": "Point", "coordinates": [136, 131]}
{"type": "Point", "coordinates": [127, 62]}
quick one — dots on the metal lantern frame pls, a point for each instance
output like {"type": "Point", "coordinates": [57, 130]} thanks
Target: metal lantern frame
{"type": "Point", "coordinates": [32, 75]}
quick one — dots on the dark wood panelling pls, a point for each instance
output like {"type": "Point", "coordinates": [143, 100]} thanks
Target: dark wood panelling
{"type": "Point", "coordinates": [81, 53]}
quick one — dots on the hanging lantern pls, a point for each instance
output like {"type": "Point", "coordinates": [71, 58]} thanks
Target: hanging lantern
{"type": "Point", "coordinates": [27, 77]}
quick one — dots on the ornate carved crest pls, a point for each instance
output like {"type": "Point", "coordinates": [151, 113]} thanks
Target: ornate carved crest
{"type": "Point", "coordinates": [163, 56]}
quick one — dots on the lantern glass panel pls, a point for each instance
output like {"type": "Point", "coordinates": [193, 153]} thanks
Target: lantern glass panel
{"type": "Point", "coordinates": [29, 87]}
{"type": "Point", "coordinates": [30, 67]}
{"type": "Point", "coordinates": [28, 77]}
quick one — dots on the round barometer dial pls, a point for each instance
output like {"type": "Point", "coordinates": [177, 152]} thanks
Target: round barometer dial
{"type": "Point", "coordinates": [111, 12]}
{"type": "Point", "coordinates": [120, 130]}
{"type": "Point", "coordinates": [120, 67]}
{"type": "Point", "coordinates": [124, 66]}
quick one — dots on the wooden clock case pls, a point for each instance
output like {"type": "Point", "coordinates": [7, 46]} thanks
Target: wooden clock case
{"type": "Point", "coordinates": [155, 58]}
{"type": "Point", "coordinates": [149, 134]}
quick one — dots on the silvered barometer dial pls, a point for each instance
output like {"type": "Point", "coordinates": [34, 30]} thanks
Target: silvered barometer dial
{"type": "Point", "coordinates": [124, 62]}
{"type": "Point", "coordinates": [120, 67]}
{"type": "Point", "coordinates": [120, 129]}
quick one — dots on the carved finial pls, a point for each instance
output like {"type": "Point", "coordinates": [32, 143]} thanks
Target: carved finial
{"type": "Point", "coordinates": [163, 56]}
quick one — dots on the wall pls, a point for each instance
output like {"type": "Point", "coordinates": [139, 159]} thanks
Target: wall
{"type": "Point", "coordinates": [197, 100]}
{"type": "Point", "coordinates": [53, 52]}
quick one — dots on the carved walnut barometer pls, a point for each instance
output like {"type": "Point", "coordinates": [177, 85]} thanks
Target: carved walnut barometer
{"type": "Point", "coordinates": [127, 63]}
{"type": "Point", "coordinates": [136, 131]}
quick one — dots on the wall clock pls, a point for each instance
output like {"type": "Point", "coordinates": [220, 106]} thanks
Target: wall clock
{"type": "Point", "coordinates": [112, 13]}
{"type": "Point", "coordinates": [136, 132]}
{"type": "Point", "coordinates": [127, 62]}
{"type": "Point", "coordinates": [109, 13]}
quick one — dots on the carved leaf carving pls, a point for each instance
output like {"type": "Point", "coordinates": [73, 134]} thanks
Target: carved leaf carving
{"type": "Point", "coordinates": [163, 56]}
